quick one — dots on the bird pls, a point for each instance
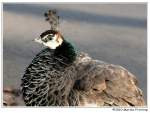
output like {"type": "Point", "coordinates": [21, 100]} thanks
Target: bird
{"type": "Point", "coordinates": [49, 78]}
{"type": "Point", "coordinates": [51, 74]}
{"type": "Point", "coordinates": [60, 76]}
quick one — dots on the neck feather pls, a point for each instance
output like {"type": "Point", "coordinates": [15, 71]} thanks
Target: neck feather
{"type": "Point", "coordinates": [67, 51]}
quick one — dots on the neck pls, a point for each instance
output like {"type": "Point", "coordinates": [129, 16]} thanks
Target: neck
{"type": "Point", "coordinates": [67, 51]}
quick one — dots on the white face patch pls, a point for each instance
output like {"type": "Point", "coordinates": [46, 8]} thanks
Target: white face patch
{"type": "Point", "coordinates": [52, 43]}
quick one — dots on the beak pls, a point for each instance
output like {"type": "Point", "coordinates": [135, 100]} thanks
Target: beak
{"type": "Point", "coordinates": [37, 40]}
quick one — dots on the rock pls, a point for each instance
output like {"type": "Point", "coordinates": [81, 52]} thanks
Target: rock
{"type": "Point", "coordinates": [11, 96]}
{"type": "Point", "coordinates": [100, 84]}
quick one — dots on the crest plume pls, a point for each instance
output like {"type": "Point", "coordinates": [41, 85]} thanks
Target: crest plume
{"type": "Point", "coordinates": [52, 18]}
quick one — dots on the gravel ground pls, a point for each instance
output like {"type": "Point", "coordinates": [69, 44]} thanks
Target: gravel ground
{"type": "Point", "coordinates": [115, 33]}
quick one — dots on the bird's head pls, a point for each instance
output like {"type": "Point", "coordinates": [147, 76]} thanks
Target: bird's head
{"type": "Point", "coordinates": [50, 38]}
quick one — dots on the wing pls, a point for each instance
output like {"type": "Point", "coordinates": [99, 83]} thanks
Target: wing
{"type": "Point", "coordinates": [103, 84]}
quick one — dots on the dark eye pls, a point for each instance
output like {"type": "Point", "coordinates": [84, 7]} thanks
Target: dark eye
{"type": "Point", "coordinates": [50, 37]}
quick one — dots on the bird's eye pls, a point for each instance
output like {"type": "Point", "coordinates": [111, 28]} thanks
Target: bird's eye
{"type": "Point", "coordinates": [50, 37]}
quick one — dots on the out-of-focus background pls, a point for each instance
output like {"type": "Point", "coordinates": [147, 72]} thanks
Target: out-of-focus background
{"type": "Point", "coordinates": [115, 33]}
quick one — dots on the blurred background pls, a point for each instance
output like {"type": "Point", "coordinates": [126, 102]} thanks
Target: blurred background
{"type": "Point", "coordinates": [114, 33]}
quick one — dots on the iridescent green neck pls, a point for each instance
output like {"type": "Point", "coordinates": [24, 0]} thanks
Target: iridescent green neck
{"type": "Point", "coordinates": [66, 50]}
